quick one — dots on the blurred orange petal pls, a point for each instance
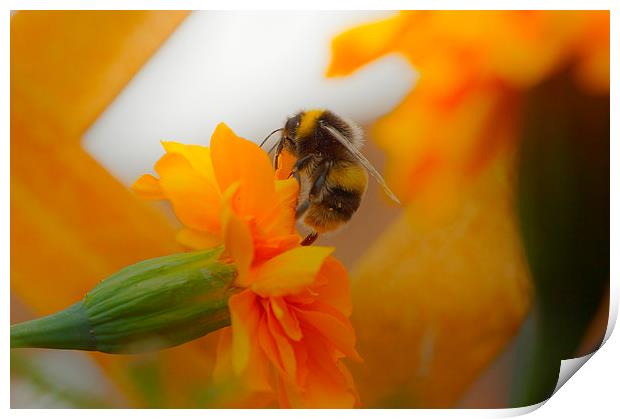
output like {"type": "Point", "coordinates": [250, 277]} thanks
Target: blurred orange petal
{"type": "Point", "coordinates": [92, 226]}
{"type": "Point", "coordinates": [438, 310]}
{"type": "Point", "coordinates": [464, 108]}
{"type": "Point", "coordinates": [358, 46]}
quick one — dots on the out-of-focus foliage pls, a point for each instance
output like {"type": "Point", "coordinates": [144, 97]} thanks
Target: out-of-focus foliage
{"type": "Point", "coordinates": [563, 202]}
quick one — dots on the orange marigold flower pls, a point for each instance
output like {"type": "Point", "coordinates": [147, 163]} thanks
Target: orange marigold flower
{"type": "Point", "coordinates": [293, 312]}
{"type": "Point", "coordinates": [474, 67]}
{"type": "Point", "coordinates": [228, 188]}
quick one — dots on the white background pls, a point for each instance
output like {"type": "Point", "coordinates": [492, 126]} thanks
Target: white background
{"type": "Point", "coordinates": [248, 69]}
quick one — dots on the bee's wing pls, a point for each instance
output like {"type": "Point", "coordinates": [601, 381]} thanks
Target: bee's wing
{"type": "Point", "coordinates": [362, 159]}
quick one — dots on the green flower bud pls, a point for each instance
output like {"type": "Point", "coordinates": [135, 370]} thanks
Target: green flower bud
{"type": "Point", "coordinates": [152, 305]}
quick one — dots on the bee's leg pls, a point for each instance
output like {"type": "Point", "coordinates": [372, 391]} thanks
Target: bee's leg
{"type": "Point", "coordinates": [319, 182]}
{"type": "Point", "coordinates": [302, 208]}
{"type": "Point", "coordinates": [299, 164]}
{"type": "Point", "coordinates": [310, 238]}
{"type": "Point", "coordinates": [276, 156]}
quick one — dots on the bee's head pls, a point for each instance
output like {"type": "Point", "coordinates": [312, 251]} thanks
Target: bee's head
{"type": "Point", "coordinates": [301, 125]}
{"type": "Point", "coordinates": [291, 126]}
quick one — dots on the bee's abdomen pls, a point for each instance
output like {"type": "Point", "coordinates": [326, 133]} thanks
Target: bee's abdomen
{"type": "Point", "coordinates": [347, 176]}
{"type": "Point", "coordinates": [342, 202]}
{"type": "Point", "coordinates": [340, 197]}
{"type": "Point", "coordinates": [335, 208]}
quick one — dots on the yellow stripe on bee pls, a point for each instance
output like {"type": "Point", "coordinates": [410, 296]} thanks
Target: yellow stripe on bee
{"type": "Point", "coordinates": [351, 177]}
{"type": "Point", "coordinates": [308, 122]}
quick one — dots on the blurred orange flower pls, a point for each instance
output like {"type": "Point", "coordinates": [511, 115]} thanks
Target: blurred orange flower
{"type": "Point", "coordinates": [450, 148]}
{"type": "Point", "coordinates": [294, 308]}
{"type": "Point", "coordinates": [473, 68]}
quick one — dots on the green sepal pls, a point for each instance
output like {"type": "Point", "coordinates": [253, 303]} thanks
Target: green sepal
{"type": "Point", "coordinates": [152, 305]}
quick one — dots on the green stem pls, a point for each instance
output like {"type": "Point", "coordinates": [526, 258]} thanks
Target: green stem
{"type": "Point", "coordinates": [67, 329]}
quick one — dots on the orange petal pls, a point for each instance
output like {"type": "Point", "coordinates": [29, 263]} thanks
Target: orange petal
{"type": "Point", "coordinates": [147, 186]}
{"type": "Point", "coordinates": [198, 156]}
{"type": "Point", "coordinates": [223, 360]}
{"type": "Point", "coordinates": [284, 165]}
{"type": "Point", "coordinates": [302, 363]}
{"type": "Point", "coordinates": [195, 200]}
{"type": "Point", "coordinates": [283, 400]}
{"type": "Point", "coordinates": [255, 376]}
{"type": "Point", "coordinates": [258, 371]}
{"type": "Point", "coordinates": [332, 286]}
{"type": "Point", "coordinates": [325, 386]}
{"type": "Point", "coordinates": [286, 192]}
{"type": "Point", "coordinates": [237, 239]}
{"type": "Point", "coordinates": [194, 239]}
{"type": "Point", "coordinates": [238, 160]}
{"type": "Point", "coordinates": [267, 344]}
{"type": "Point", "coordinates": [350, 383]}
{"type": "Point", "coordinates": [286, 318]}
{"type": "Point", "coordinates": [244, 316]}
{"type": "Point", "coordinates": [334, 326]}
{"type": "Point", "coordinates": [283, 345]}
{"type": "Point", "coordinates": [290, 271]}
{"type": "Point", "coordinates": [280, 218]}
{"type": "Point", "coordinates": [273, 246]}
{"type": "Point", "coordinates": [323, 391]}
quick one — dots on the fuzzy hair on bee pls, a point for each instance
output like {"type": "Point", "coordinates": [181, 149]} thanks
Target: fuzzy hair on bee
{"type": "Point", "coordinates": [330, 168]}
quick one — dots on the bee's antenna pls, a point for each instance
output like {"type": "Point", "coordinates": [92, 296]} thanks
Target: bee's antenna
{"type": "Point", "coordinates": [273, 132]}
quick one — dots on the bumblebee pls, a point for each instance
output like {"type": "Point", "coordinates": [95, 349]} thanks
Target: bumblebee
{"type": "Point", "coordinates": [329, 166]}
